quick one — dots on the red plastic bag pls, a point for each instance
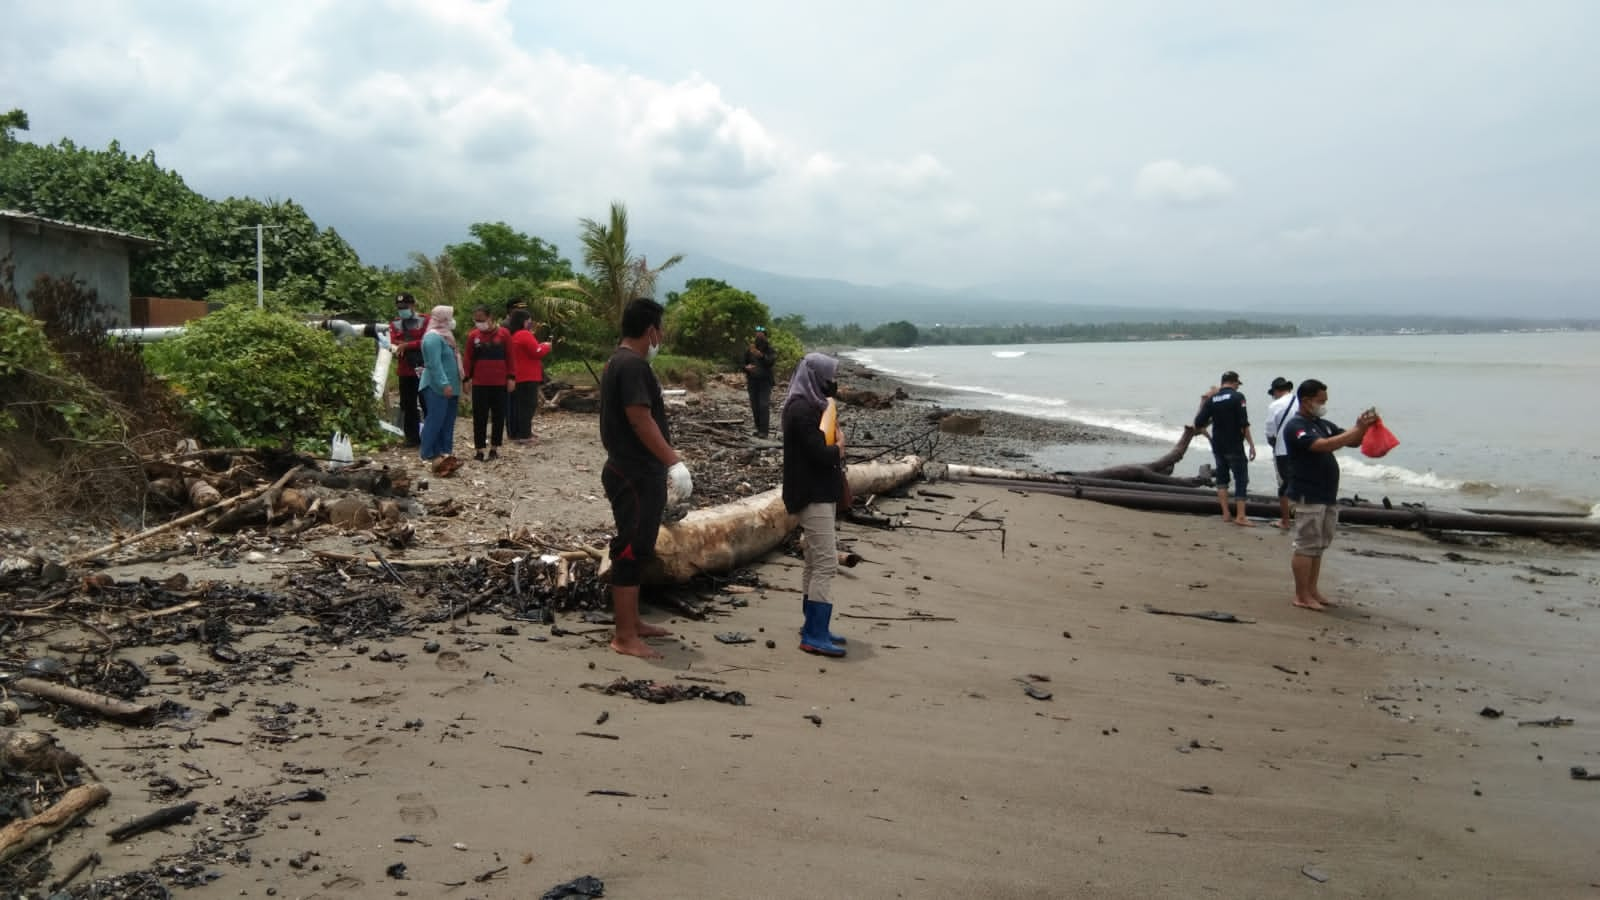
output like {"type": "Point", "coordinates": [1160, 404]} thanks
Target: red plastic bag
{"type": "Point", "coordinates": [1378, 441]}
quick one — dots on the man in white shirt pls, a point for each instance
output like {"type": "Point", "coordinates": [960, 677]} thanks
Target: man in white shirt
{"type": "Point", "coordinates": [1279, 412]}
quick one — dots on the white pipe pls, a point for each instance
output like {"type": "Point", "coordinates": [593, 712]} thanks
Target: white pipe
{"type": "Point", "coordinates": [144, 335]}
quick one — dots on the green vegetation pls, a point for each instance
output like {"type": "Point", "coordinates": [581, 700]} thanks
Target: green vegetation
{"type": "Point", "coordinates": [249, 377]}
{"type": "Point", "coordinates": [905, 334]}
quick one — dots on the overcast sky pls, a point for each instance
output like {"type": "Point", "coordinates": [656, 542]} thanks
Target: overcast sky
{"type": "Point", "coordinates": [937, 142]}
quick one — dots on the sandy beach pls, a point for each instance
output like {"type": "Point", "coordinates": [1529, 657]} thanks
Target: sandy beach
{"type": "Point", "coordinates": [1288, 754]}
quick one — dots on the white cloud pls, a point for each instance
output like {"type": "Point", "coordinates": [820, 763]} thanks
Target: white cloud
{"type": "Point", "coordinates": [1176, 184]}
{"type": "Point", "coordinates": [397, 120]}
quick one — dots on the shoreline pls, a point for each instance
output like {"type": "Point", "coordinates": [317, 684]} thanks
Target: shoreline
{"type": "Point", "coordinates": [1346, 745]}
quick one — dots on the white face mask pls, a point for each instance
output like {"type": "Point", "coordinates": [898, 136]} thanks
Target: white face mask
{"type": "Point", "coordinates": [1314, 410]}
{"type": "Point", "coordinates": [485, 326]}
{"type": "Point", "coordinates": [651, 353]}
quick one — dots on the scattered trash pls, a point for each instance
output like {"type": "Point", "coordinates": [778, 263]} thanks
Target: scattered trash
{"type": "Point", "coordinates": [1033, 690]}
{"type": "Point", "coordinates": [813, 718]}
{"type": "Point", "coordinates": [1579, 773]}
{"type": "Point", "coordinates": [1489, 712]}
{"type": "Point", "coordinates": [587, 886]}
{"type": "Point", "coordinates": [1197, 789]}
{"type": "Point", "coordinates": [656, 692]}
{"type": "Point", "coordinates": [734, 637]}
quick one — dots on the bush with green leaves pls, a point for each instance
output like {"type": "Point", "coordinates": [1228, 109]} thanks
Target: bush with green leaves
{"type": "Point", "coordinates": [713, 319]}
{"type": "Point", "coordinates": [250, 377]}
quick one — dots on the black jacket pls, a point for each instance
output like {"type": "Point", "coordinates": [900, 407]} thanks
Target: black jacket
{"type": "Point", "coordinates": [811, 471]}
{"type": "Point", "coordinates": [763, 359]}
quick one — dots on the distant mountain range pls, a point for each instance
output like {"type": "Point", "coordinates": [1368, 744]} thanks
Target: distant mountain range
{"type": "Point", "coordinates": [1380, 305]}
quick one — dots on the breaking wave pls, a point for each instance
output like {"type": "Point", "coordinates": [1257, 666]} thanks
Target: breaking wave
{"type": "Point", "coordinates": [1008, 354]}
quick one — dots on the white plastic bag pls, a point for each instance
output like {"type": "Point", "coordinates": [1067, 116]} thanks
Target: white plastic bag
{"type": "Point", "coordinates": [340, 451]}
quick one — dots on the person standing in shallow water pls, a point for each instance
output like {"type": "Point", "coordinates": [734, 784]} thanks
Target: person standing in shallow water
{"type": "Point", "coordinates": [642, 472]}
{"type": "Point", "coordinates": [1314, 486]}
{"type": "Point", "coordinates": [759, 360]}
{"type": "Point", "coordinates": [1224, 410]}
{"type": "Point", "coordinates": [813, 481]}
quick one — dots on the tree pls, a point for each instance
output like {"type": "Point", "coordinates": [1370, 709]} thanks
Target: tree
{"type": "Point", "coordinates": [438, 281]}
{"type": "Point", "coordinates": [615, 275]}
{"type": "Point", "coordinates": [499, 251]}
{"type": "Point", "coordinates": [15, 120]}
{"type": "Point", "coordinates": [713, 320]}
{"type": "Point", "coordinates": [891, 334]}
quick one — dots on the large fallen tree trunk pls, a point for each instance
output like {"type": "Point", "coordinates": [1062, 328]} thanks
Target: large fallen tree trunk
{"type": "Point", "coordinates": [728, 536]}
{"type": "Point", "coordinates": [1158, 471]}
{"type": "Point", "coordinates": [1399, 517]}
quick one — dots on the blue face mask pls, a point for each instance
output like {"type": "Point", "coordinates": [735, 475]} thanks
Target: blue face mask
{"type": "Point", "coordinates": [408, 313]}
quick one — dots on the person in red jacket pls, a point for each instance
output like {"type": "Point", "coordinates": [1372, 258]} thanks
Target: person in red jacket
{"type": "Point", "coordinates": [527, 370]}
{"type": "Point", "coordinates": [405, 339]}
{"type": "Point", "coordinates": [488, 370]}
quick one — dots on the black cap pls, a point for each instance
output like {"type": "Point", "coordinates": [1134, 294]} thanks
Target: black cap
{"type": "Point", "coordinates": [1281, 384]}
{"type": "Point", "coordinates": [516, 303]}
{"type": "Point", "coordinates": [402, 298]}
{"type": "Point", "coordinates": [1231, 376]}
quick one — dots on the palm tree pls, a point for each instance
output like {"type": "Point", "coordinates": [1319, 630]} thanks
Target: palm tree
{"type": "Point", "coordinates": [615, 275]}
{"type": "Point", "coordinates": [441, 282]}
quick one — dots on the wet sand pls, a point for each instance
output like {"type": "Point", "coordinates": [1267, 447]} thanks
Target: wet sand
{"type": "Point", "coordinates": [1344, 745]}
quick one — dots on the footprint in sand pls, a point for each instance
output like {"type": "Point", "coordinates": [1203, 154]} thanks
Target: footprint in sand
{"type": "Point", "coordinates": [450, 661]}
{"type": "Point", "coordinates": [339, 884]}
{"type": "Point", "coordinates": [414, 809]}
{"type": "Point", "coordinates": [367, 751]}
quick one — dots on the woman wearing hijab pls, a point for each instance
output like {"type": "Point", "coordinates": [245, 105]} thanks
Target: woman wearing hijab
{"type": "Point", "coordinates": [441, 386]}
{"type": "Point", "coordinates": [527, 371]}
{"type": "Point", "coordinates": [812, 483]}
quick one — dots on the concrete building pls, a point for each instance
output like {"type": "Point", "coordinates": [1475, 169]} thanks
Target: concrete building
{"type": "Point", "coordinates": [98, 257]}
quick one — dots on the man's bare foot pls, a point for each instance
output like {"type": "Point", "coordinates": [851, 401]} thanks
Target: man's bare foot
{"type": "Point", "coordinates": [1244, 523]}
{"type": "Point", "coordinates": [1309, 604]}
{"type": "Point", "coordinates": [636, 647]}
{"type": "Point", "coordinates": [653, 631]}
{"type": "Point", "coordinates": [1324, 600]}
{"type": "Point", "coordinates": [1282, 523]}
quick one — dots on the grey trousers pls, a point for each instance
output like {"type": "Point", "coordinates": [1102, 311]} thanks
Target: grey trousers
{"type": "Point", "coordinates": [822, 551]}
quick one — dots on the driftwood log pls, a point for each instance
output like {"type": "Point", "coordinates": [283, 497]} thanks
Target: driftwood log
{"type": "Point", "coordinates": [181, 521]}
{"type": "Point", "coordinates": [724, 537]}
{"type": "Point", "coordinates": [25, 833]}
{"type": "Point", "coordinates": [88, 701]}
{"type": "Point", "coordinates": [1156, 472]}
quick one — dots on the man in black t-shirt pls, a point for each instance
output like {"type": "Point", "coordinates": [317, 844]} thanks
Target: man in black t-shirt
{"type": "Point", "coordinates": [1223, 409]}
{"type": "Point", "coordinates": [642, 473]}
{"type": "Point", "coordinates": [1314, 485]}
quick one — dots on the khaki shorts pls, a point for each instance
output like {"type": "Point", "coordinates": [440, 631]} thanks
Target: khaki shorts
{"type": "Point", "coordinates": [1314, 525]}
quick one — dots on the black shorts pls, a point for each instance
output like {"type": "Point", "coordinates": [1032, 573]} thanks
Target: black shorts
{"type": "Point", "coordinates": [638, 500]}
{"type": "Point", "coordinates": [1238, 466]}
{"type": "Point", "coordinates": [1282, 465]}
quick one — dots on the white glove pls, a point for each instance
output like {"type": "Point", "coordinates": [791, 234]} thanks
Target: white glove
{"type": "Point", "coordinates": [679, 484]}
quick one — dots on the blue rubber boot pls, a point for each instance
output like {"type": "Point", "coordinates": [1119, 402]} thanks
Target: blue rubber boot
{"type": "Point", "coordinates": [814, 638]}
{"type": "Point", "coordinates": [806, 603]}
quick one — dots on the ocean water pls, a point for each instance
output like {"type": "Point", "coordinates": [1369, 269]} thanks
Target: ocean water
{"type": "Point", "coordinates": [1501, 421]}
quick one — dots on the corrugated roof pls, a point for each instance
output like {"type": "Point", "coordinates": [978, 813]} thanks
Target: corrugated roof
{"type": "Point", "coordinates": [31, 219]}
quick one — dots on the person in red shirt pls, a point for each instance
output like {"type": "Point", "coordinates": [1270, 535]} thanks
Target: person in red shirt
{"type": "Point", "coordinates": [488, 370]}
{"type": "Point", "coordinates": [527, 370]}
{"type": "Point", "coordinates": [405, 339]}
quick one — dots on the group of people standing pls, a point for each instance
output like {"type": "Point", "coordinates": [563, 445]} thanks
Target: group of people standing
{"type": "Point", "coordinates": [644, 475]}
{"type": "Point", "coordinates": [1303, 443]}
{"type": "Point", "coordinates": [503, 365]}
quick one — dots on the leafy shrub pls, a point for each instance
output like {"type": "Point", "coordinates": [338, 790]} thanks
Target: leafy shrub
{"type": "Point", "coordinates": [713, 320]}
{"type": "Point", "coordinates": [789, 351]}
{"type": "Point", "coordinates": [256, 377]}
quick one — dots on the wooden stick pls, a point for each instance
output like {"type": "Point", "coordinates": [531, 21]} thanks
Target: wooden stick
{"type": "Point", "coordinates": [99, 704]}
{"type": "Point", "coordinates": [161, 818]}
{"type": "Point", "coordinates": [180, 521]}
{"type": "Point", "coordinates": [165, 611]}
{"type": "Point", "coordinates": [25, 833]}
{"type": "Point", "coordinates": [330, 556]}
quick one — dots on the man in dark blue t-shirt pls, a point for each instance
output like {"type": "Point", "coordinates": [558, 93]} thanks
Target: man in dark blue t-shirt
{"type": "Point", "coordinates": [1314, 485]}
{"type": "Point", "coordinates": [1223, 409]}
